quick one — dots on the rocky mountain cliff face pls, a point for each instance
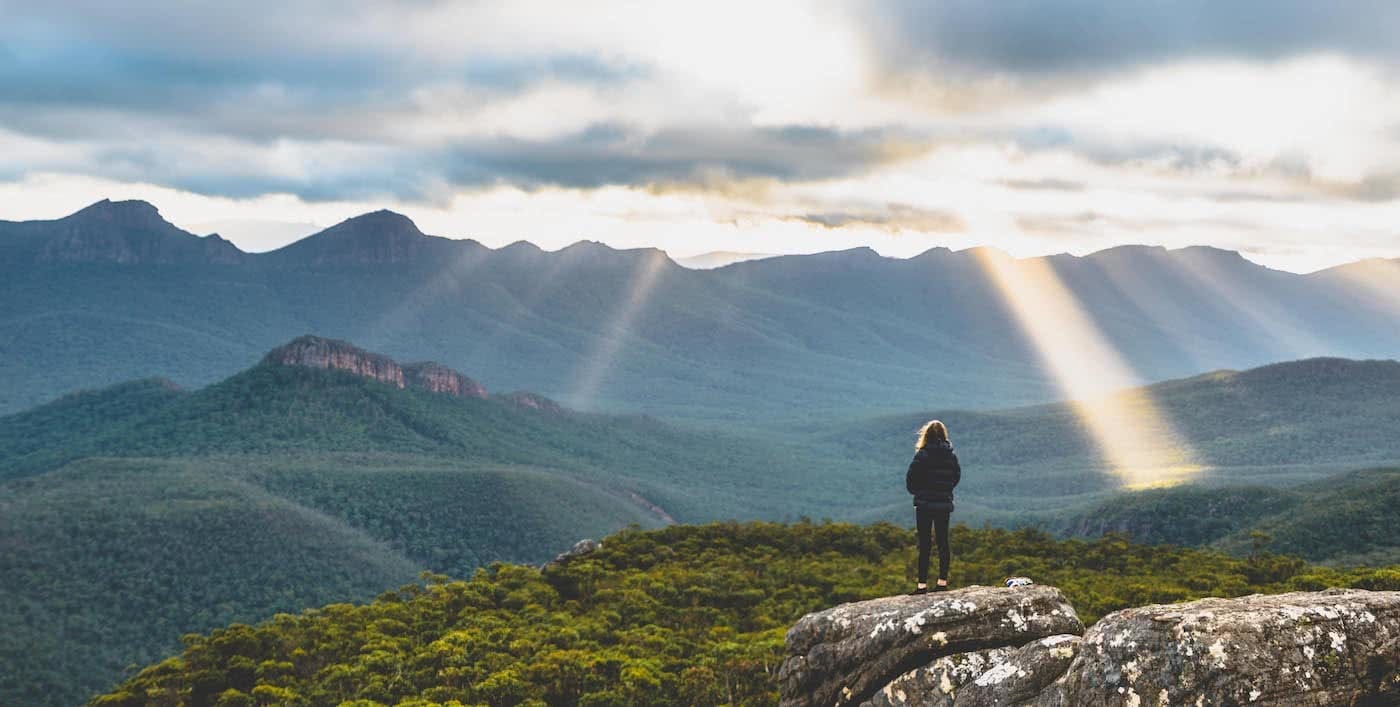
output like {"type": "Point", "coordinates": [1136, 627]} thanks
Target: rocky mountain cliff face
{"type": "Point", "coordinates": [318, 352]}
{"type": "Point", "coordinates": [437, 378]}
{"type": "Point", "coordinates": [984, 646]}
{"type": "Point", "coordinates": [533, 401]}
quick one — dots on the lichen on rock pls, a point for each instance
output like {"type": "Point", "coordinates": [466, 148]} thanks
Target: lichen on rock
{"type": "Point", "coordinates": [844, 655]}
{"type": "Point", "coordinates": [1338, 647]}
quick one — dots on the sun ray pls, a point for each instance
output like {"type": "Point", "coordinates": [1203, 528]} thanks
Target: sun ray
{"type": "Point", "coordinates": [1136, 440]}
{"type": "Point", "coordinates": [1281, 327]}
{"type": "Point", "coordinates": [444, 283]}
{"type": "Point", "coordinates": [1374, 281]}
{"type": "Point", "coordinates": [612, 338]}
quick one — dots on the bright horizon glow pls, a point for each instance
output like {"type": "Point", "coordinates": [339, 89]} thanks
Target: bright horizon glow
{"type": "Point", "coordinates": [548, 231]}
{"type": "Point", "coordinates": [1096, 383]}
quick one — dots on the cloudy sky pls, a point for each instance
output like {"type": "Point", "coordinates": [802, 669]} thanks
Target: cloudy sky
{"type": "Point", "coordinates": [1267, 126]}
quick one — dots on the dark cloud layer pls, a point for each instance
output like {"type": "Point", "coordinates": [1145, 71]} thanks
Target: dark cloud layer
{"type": "Point", "coordinates": [322, 78]}
{"type": "Point", "coordinates": [221, 98]}
{"type": "Point", "coordinates": [617, 154]}
{"type": "Point", "coordinates": [1038, 38]}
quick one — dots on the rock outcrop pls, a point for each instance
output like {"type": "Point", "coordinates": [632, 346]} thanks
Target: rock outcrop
{"type": "Point", "coordinates": [1021, 676]}
{"type": "Point", "coordinates": [437, 378]}
{"type": "Point", "coordinates": [844, 655]}
{"type": "Point", "coordinates": [983, 647]}
{"type": "Point", "coordinates": [318, 352]}
{"type": "Point", "coordinates": [583, 547]}
{"type": "Point", "coordinates": [533, 401]}
{"type": "Point", "coordinates": [937, 683]}
{"type": "Point", "coordinates": [1335, 647]}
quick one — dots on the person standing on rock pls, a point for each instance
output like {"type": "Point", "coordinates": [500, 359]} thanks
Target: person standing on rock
{"type": "Point", "coordinates": [932, 475]}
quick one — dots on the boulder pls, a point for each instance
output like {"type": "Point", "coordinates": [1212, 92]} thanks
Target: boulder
{"type": "Point", "coordinates": [844, 655]}
{"type": "Point", "coordinates": [1338, 647]}
{"type": "Point", "coordinates": [580, 548]}
{"type": "Point", "coordinates": [1306, 648]}
{"type": "Point", "coordinates": [1022, 676]}
{"type": "Point", "coordinates": [935, 684]}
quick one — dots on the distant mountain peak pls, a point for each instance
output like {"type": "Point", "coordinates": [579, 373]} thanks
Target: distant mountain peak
{"type": "Point", "coordinates": [718, 259]}
{"type": "Point", "coordinates": [385, 220]}
{"type": "Point", "coordinates": [1210, 251]}
{"type": "Point", "coordinates": [934, 253]}
{"type": "Point", "coordinates": [131, 211]}
{"type": "Point", "coordinates": [598, 253]}
{"type": "Point", "coordinates": [126, 232]}
{"type": "Point", "coordinates": [310, 351]}
{"type": "Point", "coordinates": [376, 237]}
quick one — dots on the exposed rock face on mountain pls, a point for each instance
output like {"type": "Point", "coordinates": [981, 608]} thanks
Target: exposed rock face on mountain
{"type": "Point", "coordinates": [438, 378]}
{"type": "Point", "coordinates": [846, 654]}
{"type": "Point", "coordinates": [318, 352]}
{"type": "Point", "coordinates": [586, 546]}
{"type": "Point", "coordinates": [126, 232]}
{"type": "Point", "coordinates": [532, 401]}
{"type": "Point", "coordinates": [1338, 647]}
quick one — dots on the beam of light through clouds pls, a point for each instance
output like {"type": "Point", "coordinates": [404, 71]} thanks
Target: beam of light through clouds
{"type": "Point", "coordinates": [1134, 437]}
{"type": "Point", "coordinates": [1375, 282]}
{"type": "Point", "coordinates": [1209, 274]}
{"type": "Point", "coordinates": [614, 336]}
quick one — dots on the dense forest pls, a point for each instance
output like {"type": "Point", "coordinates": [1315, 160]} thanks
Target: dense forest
{"type": "Point", "coordinates": [680, 615]}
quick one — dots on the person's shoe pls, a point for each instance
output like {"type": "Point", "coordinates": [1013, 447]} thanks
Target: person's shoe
{"type": "Point", "coordinates": [919, 590]}
{"type": "Point", "coordinates": [940, 587]}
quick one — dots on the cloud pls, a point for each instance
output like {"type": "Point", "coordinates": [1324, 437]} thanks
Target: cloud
{"type": "Point", "coordinates": [1043, 184]}
{"type": "Point", "coordinates": [1039, 39]}
{"type": "Point", "coordinates": [412, 100]}
{"type": "Point", "coordinates": [1093, 222]}
{"type": "Point", "coordinates": [894, 218]}
{"type": "Point", "coordinates": [617, 154]}
{"type": "Point", "coordinates": [844, 123]}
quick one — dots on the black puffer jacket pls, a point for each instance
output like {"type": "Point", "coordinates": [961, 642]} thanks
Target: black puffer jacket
{"type": "Point", "coordinates": [932, 476]}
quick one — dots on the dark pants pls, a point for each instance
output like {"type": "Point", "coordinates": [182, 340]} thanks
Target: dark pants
{"type": "Point", "coordinates": [932, 525]}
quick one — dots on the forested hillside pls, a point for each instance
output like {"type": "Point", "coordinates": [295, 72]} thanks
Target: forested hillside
{"type": "Point", "coordinates": [141, 512]}
{"type": "Point", "coordinates": [162, 511]}
{"type": "Point", "coordinates": [1347, 519]}
{"type": "Point", "coordinates": [1276, 425]}
{"type": "Point", "coordinates": [682, 615]}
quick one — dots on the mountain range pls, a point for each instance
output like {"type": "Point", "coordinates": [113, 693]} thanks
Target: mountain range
{"type": "Point", "coordinates": [113, 291]}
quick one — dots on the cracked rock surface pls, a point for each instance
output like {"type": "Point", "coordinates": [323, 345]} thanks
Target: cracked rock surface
{"type": "Point", "coordinates": [938, 682]}
{"type": "Point", "coordinates": [1022, 675]}
{"type": "Point", "coordinates": [844, 655]}
{"type": "Point", "coordinates": [1304, 648]}
{"type": "Point", "coordinates": [991, 646]}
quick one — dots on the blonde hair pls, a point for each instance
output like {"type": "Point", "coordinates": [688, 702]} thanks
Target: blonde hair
{"type": "Point", "coordinates": [932, 431]}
